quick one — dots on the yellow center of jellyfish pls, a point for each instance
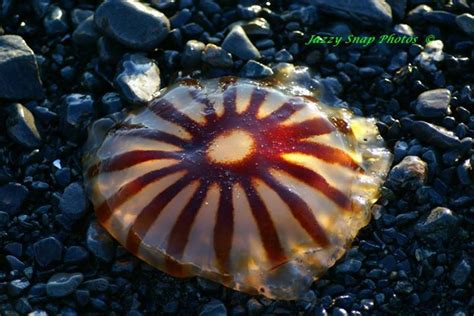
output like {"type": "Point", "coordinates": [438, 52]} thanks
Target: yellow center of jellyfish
{"type": "Point", "coordinates": [231, 147]}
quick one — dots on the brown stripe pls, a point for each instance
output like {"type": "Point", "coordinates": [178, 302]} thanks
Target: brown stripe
{"type": "Point", "coordinates": [153, 134]}
{"type": "Point", "coordinates": [327, 153]}
{"type": "Point", "coordinates": [150, 213]}
{"type": "Point", "coordinates": [266, 228]}
{"type": "Point", "coordinates": [313, 127]}
{"type": "Point", "coordinates": [300, 210]}
{"type": "Point", "coordinates": [209, 111]}
{"type": "Point", "coordinates": [283, 112]}
{"type": "Point", "coordinates": [168, 111]}
{"type": "Point", "coordinates": [129, 159]}
{"type": "Point", "coordinates": [224, 228]}
{"type": "Point", "coordinates": [127, 191]}
{"type": "Point", "coordinates": [229, 100]}
{"type": "Point", "coordinates": [178, 237]}
{"type": "Point", "coordinates": [258, 97]}
{"type": "Point", "coordinates": [224, 82]}
{"type": "Point", "coordinates": [317, 181]}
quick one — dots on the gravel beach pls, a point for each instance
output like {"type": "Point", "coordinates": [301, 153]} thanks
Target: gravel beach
{"type": "Point", "coordinates": [66, 63]}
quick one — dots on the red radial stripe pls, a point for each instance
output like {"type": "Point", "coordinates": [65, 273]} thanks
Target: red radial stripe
{"type": "Point", "coordinates": [129, 159]}
{"type": "Point", "coordinates": [167, 111]}
{"type": "Point", "coordinates": [256, 100]}
{"type": "Point", "coordinates": [327, 153]}
{"type": "Point", "coordinates": [283, 112]}
{"type": "Point", "coordinates": [266, 227]}
{"type": "Point", "coordinates": [153, 135]}
{"type": "Point", "coordinates": [317, 181]}
{"type": "Point", "coordinates": [127, 191]}
{"type": "Point", "coordinates": [150, 213]}
{"type": "Point", "coordinates": [209, 111]}
{"type": "Point", "coordinates": [224, 228]}
{"type": "Point", "coordinates": [313, 127]}
{"type": "Point", "coordinates": [300, 210]}
{"type": "Point", "coordinates": [229, 100]}
{"type": "Point", "coordinates": [179, 235]}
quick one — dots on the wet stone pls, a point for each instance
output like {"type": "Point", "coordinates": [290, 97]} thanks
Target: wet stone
{"type": "Point", "coordinates": [214, 308]}
{"type": "Point", "coordinates": [466, 23]}
{"type": "Point", "coordinates": [132, 23]}
{"type": "Point", "coordinates": [111, 103]}
{"type": "Point", "coordinates": [349, 266]}
{"type": "Point", "coordinates": [431, 55]}
{"type": "Point", "coordinates": [40, 7]}
{"type": "Point", "coordinates": [19, 72]}
{"type": "Point", "coordinates": [79, 15]}
{"type": "Point", "coordinates": [434, 135]}
{"type": "Point", "coordinates": [55, 21]}
{"type": "Point", "coordinates": [138, 79]}
{"type": "Point", "coordinates": [238, 44]}
{"type": "Point", "coordinates": [12, 197]}
{"type": "Point", "coordinates": [439, 226]}
{"type": "Point", "coordinates": [73, 201]}
{"type": "Point", "coordinates": [63, 284]}
{"type": "Point", "coordinates": [192, 54]}
{"type": "Point", "coordinates": [410, 173]}
{"type": "Point", "coordinates": [75, 255]}
{"type": "Point", "coordinates": [254, 69]}
{"type": "Point", "coordinates": [76, 112]}
{"type": "Point", "coordinates": [96, 285]}
{"type": "Point", "coordinates": [99, 242]}
{"type": "Point", "coordinates": [461, 272]}
{"type": "Point", "coordinates": [433, 103]}
{"type": "Point", "coordinates": [21, 127]}
{"type": "Point", "coordinates": [17, 287]}
{"type": "Point", "coordinates": [109, 50]}
{"type": "Point", "coordinates": [47, 251]}
{"type": "Point", "coordinates": [216, 56]}
{"type": "Point", "coordinates": [22, 306]}
{"type": "Point", "coordinates": [85, 35]}
{"type": "Point", "coordinates": [258, 26]}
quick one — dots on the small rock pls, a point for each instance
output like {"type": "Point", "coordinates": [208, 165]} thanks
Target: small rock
{"type": "Point", "coordinates": [368, 12]}
{"type": "Point", "coordinates": [138, 79]}
{"type": "Point", "coordinates": [55, 21]}
{"type": "Point", "coordinates": [21, 127]}
{"type": "Point", "coordinates": [430, 56]}
{"type": "Point", "coordinates": [47, 251]}
{"type": "Point", "coordinates": [73, 201]}
{"type": "Point", "coordinates": [63, 284]}
{"type": "Point", "coordinates": [75, 255]}
{"type": "Point", "coordinates": [460, 273]}
{"type": "Point", "coordinates": [398, 8]}
{"type": "Point", "coordinates": [82, 297]}
{"type": "Point", "coordinates": [40, 7]}
{"type": "Point", "coordinates": [439, 226]}
{"type": "Point", "coordinates": [96, 285]}
{"type": "Point", "coordinates": [4, 218]}
{"type": "Point", "coordinates": [434, 135]}
{"type": "Point", "coordinates": [99, 242]}
{"type": "Point", "coordinates": [76, 112]}
{"type": "Point", "coordinates": [17, 287]}
{"type": "Point", "coordinates": [79, 15]}
{"type": "Point", "coordinates": [15, 263]}
{"type": "Point", "coordinates": [433, 103]}
{"type": "Point", "coordinates": [12, 196]}
{"type": "Point", "coordinates": [22, 306]}
{"type": "Point", "coordinates": [238, 44]}
{"type": "Point", "coordinates": [464, 171]}
{"type": "Point", "coordinates": [19, 72]}
{"type": "Point", "coordinates": [109, 50]}
{"type": "Point", "coordinates": [254, 307]}
{"type": "Point", "coordinates": [132, 23]}
{"type": "Point", "coordinates": [253, 69]}
{"type": "Point", "coordinates": [192, 54]}
{"type": "Point", "coordinates": [111, 103]}
{"type": "Point", "coordinates": [216, 56]}
{"type": "Point", "coordinates": [283, 56]}
{"type": "Point", "coordinates": [466, 23]}
{"type": "Point", "coordinates": [85, 35]}
{"type": "Point", "coordinates": [258, 26]}
{"type": "Point", "coordinates": [349, 266]}
{"type": "Point", "coordinates": [214, 308]}
{"type": "Point", "coordinates": [410, 173]}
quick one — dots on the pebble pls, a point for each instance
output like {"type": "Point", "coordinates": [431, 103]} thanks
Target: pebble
{"type": "Point", "coordinates": [99, 242]}
{"type": "Point", "coordinates": [216, 56]}
{"type": "Point", "coordinates": [40, 7]}
{"type": "Point", "coordinates": [75, 255]}
{"type": "Point", "coordinates": [237, 43]}
{"type": "Point", "coordinates": [22, 306]}
{"type": "Point", "coordinates": [466, 23]}
{"type": "Point", "coordinates": [349, 266]}
{"type": "Point", "coordinates": [111, 102]}
{"type": "Point", "coordinates": [433, 103]}
{"type": "Point", "coordinates": [21, 127]}
{"type": "Point", "coordinates": [96, 285]}
{"type": "Point", "coordinates": [434, 135]}
{"type": "Point", "coordinates": [431, 55]}
{"type": "Point", "coordinates": [4, 218]}
{"type": "Point", "coordinates": [19, 72]}
{"type": "Point", "coordinates": [132, 23]}
{"type": "Point", "coordinates": [47, 251]}
{"type": "Point", "coordinates": [76, 112]}
{"type": "Point", "coordinates": [461, 272]}
{"type": "Point", "coordinates": [258, 27]}
{"type": "Point", "coordinates": [17, 287]}
{"type": "Point", "coordinates": [12, 197]}
{"type": "Point", "coordinates": [213, 308]}
{"type": "Point", "coordinates": [63, 284]}
{"type": "Point", "coordinates": [109, 50]}
{"type": "Point", "coordinates": [85, 34]}
{"type": "Point", "coordinates": [73, 201]}
{"type": "Point", "coordinates": [368, 12]}
{"type": "Point", "coordinates": [439, 226]}
{"type": "Point", "coordinates": [192, 54]}
{"type": "Point", "coordinates": [55, 22]}
{"type": "Point", "coordinates": [254, 69]}
{"type": "Point", "coordinates": [410, 173]}
{"type": "Point", "coordinates": [283, 56]}
{"type": "Point", "coordinates": [79, 15]}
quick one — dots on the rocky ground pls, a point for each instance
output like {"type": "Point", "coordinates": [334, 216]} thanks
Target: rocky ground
{"type": "Point", "coordinates": [415, 257]}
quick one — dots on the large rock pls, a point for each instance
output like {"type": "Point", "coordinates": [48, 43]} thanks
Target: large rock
{"type": "Point", "coordinates": [368, 12]}
{"type": "Point", "coordinates": [22, 127]}
{"type": "Point", "coordinates": [410, 173]}
{"type": "Point", "coordinates": [19, 75]}
{"type": "Point", "coordinates": [132, 23]}
{"type": "Point", "coordinates": [434, 135]}
{"type": "Point", "coordinates": [238, 44]}
{"type": "Point", "coordinates": [433, 103]}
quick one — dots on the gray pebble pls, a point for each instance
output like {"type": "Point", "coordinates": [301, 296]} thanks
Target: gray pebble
{"type": "Point", "coordinates": [99, 242]}
{"type": "Point", "coordinates": [410, 173]}
{"type": "Point", "coordinates": [433, 103]}
{"type": "Point", "coordinates": [254, 69]}
{"type": "Point", "coordinates": [192, 54]}
{"type": "Point", "coordinates": [47, 251]}
{"type": "Point", "coordinates": [12, 196]}
{"type": "Point", "coordinates": [216, 56]}
{"type": "Point", "coordinates": [461, 273]}
{"type": "Point", "coordinates": [63, 284]}
{"type": "Point", "coordinates": [238, 44]}
{"type": "Point", "coordinates": [21, 126]}
{"type": "Point", "coordinates": [434, 135]}
{"type": "Point", "coordinates": [73, 201]}
{"type": "Point", "coordinates": [439, 226]}
{"type": "Point", "coordinates": [85, 34]}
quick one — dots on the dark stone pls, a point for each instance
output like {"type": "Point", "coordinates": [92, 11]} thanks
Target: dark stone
{"type": "Point", "coordinates": [82, 297]}
{"type": "Point", "coordinates": [40, 7]}
{"type": "Point", "coordinates": [466, 23]}
{"type": "Point", "coordinates": [460, 273]}
{"type": "Point", "coordinates": [440, 17]}
{"type": "Point", "coordinates": [12, 196]}
{"type": "Point", "coordinates": [192, 54]}
{"type": "Point", "coordinates": [55, 21]}
{"type": "Point", "coordinates": [21, 126]}
{"type": "Point", "coordinates": [132, 23]}
{"type": "Point", "coordinates": [439, 226]}
{"type": "Point", "coordinates": [17, 287]}
{"type": "Point", "coordinates": [109, 50]}
{"type": "Point", "coordinates": [19, 75]}
{"type": "Point", "coordinates": [85, 35]}
{"type": "Point", "coordinates": [349, 266]}
{"type": "Point", "coordinates": [258, 26]}
{"type": "Point", "coordinates": [433, 103]}
{"type": "Point", "coordinates": [73, 201]}
{"type": "Point", "coordinates": [253, 69]}
{"type": "Point", "coordinates": [399, 8]}
{"type": "Point", "coordinates": [138, 79]}
{"type": "Point", "coordinates": [368, 12]}
{"type": "Point", "coordinates": [79, 15]}
{"type": "Point", "coordinates": [238, 44]}
{"type": "Point", "coordinates": [96, 285]}
{"type": "Point", "coordinates": [180, 18]}
{"type": "Point", "coordinates": [63, 176]}
{"type": "Point", "coordinates": [63, 284]}
{"type": "Point", "coordinates": [75, 255]}
{"type": "Point", "coordinates": [111, 103]}
{"type": "Point", "coordinates": [431, 55]}
{"type": "Point", "coordinates": [14, 248]}
{"type": "Point", "coordinates": [99, 242]}
{"type": "Point", "coordinates": [283, 56]}
{"type": "Point", "coordinates": [213, 308]}
{"type": "Point", "coordinates": [22, 306]}
{"type": "Point", "coordinates": [15, 263]}
{"type": "Point", "coordinates": [47, 251]}
{"type": "Point", "coordinates": [216, 56]}
{"type": "Point", "coordinates": [4, 219]}
{"type": "Point", "coordinates": [410, 173]}
{"type": "Point", "coordinates": [76, 112]}
{"type": "Point", "coordinates": [464, 171]}
{"type": "Point", "coordinates": [434, 135]}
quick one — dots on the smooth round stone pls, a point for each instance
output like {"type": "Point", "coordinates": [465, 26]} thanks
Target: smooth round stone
{"type": "Point", "coordinates": [411, 172]}
{"type": "Point", "coordinates": [214, 308]}
{"type": "Point", "coordinates": [12, 197]}
{"type": "Point", "coordinates": [55, 21]}
{"type": "Point", "coordinates": [73, 201]}
{"type": "Point", "coordinates": [466, 23]}
{"type": "Point", "coordinates": [99, 243]}
{"type": "Point", "coordinates": [439, 226]}
{"type": "Point", "coordinates": [254, 69]}
{"type": "Point", "coordinates": [193, 51]}
{"type": "Point", "coordinates": [433, 103]}
{"type": "Point", "coordinates": [132, 23]}
{"type": "Point", "coordinates": [85, 35]}
{"type": "Point", "coordinates": [47, 251]}
{"type": "Point", "coordinates": [63, 284]}
{"type": "Point", "coordinates": [216, 56]}
{"type": "Point", "coordinates": [21, 127]}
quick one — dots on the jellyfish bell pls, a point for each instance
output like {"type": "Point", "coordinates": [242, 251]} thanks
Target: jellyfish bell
{"type": "Point", "coordinates": [246, 183]}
